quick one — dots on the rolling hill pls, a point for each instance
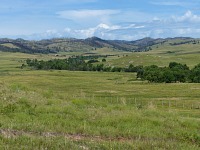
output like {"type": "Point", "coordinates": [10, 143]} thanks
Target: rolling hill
{"type": "Point", "coordinates": [86, 45]}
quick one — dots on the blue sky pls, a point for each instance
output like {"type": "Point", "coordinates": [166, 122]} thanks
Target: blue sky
{"type": "Point", "coordinates": [108, 19]}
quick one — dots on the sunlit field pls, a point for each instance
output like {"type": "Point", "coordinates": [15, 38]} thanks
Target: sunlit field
{"type": "Point", "coordinates": [161, 55]}
{"type": "Point", "coordinates": [96, 110]}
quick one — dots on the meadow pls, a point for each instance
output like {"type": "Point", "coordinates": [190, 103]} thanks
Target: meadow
{"type": "Point", "coordinates": [161, 55]}
{"type": "Point", "coordinates": [96, 110]}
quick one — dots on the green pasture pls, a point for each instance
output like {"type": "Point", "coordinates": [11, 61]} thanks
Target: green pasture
{"type": "Point", "coordinates": [93, 110]}
{"type": "Point", "coordinates": [161, 55]}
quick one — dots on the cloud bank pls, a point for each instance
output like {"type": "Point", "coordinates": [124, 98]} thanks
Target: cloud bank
{"type": "Point", "coordinates": [175, 26]}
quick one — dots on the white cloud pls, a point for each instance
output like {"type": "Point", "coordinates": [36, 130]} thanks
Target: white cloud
{"type": "Point", "coordinates": [100, 31]}
{"type": "Point", "coordinates": [187, 17]}
{"type": "Point", "coordinates": [187, 31]}
{"type": "Point", "coordinates": [186, 25]}
{"type": "Point", "coordinates": [88, 17]}
{"type": "Point", "coordinates": [107, 27]}
{"type": "Point", "coordinates": [82, 14]}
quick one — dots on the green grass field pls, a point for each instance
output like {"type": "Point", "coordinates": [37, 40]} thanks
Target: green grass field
{"type": "Point", "coordinates": [96, 110]}
{"type": "Point", "coordinates": [161, 55]}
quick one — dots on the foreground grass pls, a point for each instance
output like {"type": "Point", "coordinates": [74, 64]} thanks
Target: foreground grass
{"type": "Point", "coordinates": [95, 104]}
{"type": "Point", "coordinates": [95, 110]}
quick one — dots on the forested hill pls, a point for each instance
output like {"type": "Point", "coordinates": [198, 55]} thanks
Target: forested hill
{"type": "Point", "coordinates": [84, 45]}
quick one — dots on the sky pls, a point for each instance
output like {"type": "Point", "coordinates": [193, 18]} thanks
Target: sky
{"type": "Point", "coordinates": [107, 19]}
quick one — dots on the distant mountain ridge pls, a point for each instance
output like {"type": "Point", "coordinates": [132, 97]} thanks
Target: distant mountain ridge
{"type": "Point", "coordinates": [81, 45]}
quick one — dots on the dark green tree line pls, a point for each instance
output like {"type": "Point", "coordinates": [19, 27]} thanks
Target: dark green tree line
{"type": "Point", "coordinates": [175, 72]}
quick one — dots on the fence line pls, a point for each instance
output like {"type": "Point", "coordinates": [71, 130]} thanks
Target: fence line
{"type": "Point", "coordinates": [144, 102]}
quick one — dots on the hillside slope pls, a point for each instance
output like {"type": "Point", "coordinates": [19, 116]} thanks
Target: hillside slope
{"type": "Point", "coordinates": [182, 50]}
{"type": "Point", "coordinates": [85, 45]}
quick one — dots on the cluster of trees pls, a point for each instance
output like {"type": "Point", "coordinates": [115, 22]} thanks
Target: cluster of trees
{"type": "Point", "coordinates": [175, 72]}
{"type": "Point", "coordinates": [185, 42]}
{"type": "Point", "coordinates": [78, 63]}
{"type": "Point", "coordinates": [72, 63]}
{"type": "Point", "coordinates": [75, 64]}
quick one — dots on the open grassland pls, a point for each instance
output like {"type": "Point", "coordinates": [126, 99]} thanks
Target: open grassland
{"type": "Point", "coordinates": [93, 110]}
{"type": "Point", "coordinates": [161, 55]}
